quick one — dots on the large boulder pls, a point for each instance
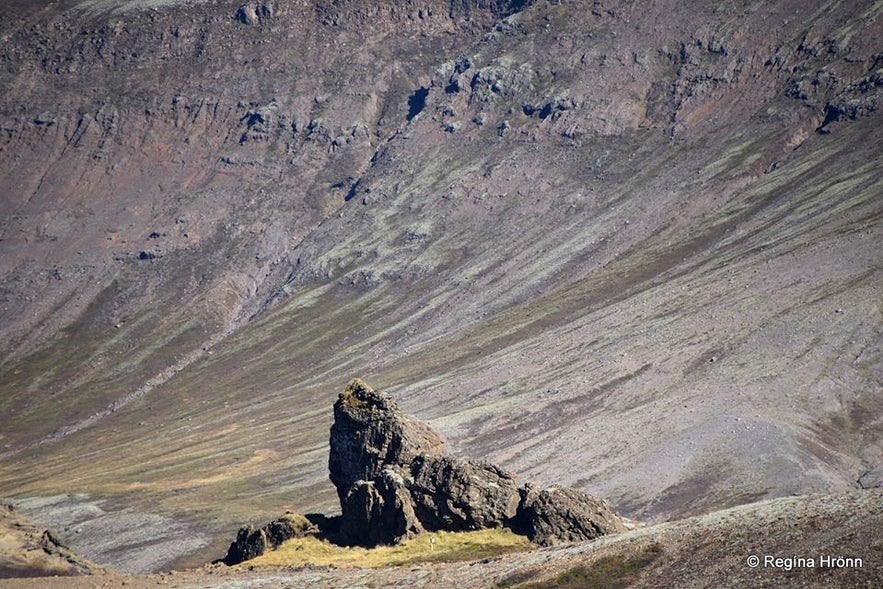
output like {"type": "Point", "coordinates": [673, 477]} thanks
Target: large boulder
{"type": "Point", "coordinates": [457, 495]}
{"type": "Point", "coordinates": [252, 542]}
{"type": "Point", "coordinates": [555, 515]}
{"type": "Point", "coordinates": [379, 512]}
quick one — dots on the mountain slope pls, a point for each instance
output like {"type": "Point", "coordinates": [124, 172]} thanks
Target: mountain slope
{"type": "Point", "coordinates": [625, 247]}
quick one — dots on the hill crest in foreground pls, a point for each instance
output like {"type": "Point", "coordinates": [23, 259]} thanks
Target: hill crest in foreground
{"type": "Point", "coordinates": [711, 550]}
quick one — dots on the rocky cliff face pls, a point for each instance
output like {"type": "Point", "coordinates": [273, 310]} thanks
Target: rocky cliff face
{"type": "Point", "coordinates": [154, 156]}
{"type": "Point", "coordinates": [394, 481]}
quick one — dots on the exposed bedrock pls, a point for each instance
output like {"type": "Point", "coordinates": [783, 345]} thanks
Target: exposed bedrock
{"type": "Point", "coordinates": [395, 480]}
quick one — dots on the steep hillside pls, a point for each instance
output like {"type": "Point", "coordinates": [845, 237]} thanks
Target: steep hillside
{"type": "Point", "coordinates": [624, 246]}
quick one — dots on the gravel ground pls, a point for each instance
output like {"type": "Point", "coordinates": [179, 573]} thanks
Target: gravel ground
{"type": "Point", "coordinates": [124, 540]}
{"type": "Point", "coordinates": [713, 550]}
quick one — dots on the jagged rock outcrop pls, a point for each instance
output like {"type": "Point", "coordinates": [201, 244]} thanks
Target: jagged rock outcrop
{"type": "Point", "coordinates": [554, 515]}
{"type": "Point", "coordinates": [252, 542]}
{"type": "Point", "coordinates": [395, 480]}
{"type": "Point", "coordinates": [458, 495]}
{"type": "Point", "coordinates": [369, 432]}
{"type": "Point", "coordinates": [379, 512]}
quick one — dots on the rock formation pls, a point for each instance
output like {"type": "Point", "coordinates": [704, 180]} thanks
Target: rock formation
{"type": "Point", "coordinates": [458, 495]}
{"type": "Point", "coordinates": [369, 432]}
{"type": "Point", "coordinates": [394, 480]}
{"type": "Point", "coordinates": [553, 515]}
{"type": "Point", "coordinates": [252, 542]}
{"type": "Point", "coordinates": [380, 511]}
{"type": "Point", "coordinates": [29, 551]}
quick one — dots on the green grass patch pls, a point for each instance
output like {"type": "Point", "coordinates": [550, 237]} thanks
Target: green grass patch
{"type": "Point", "coordinates": [430, 547]}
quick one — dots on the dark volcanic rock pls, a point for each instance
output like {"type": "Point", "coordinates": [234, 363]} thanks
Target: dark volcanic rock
{"type": "Point", "coordinates": [394, 481]}
{"type": "Point", "coordinates": [379, 512]}
{"type": "Point", "coordinates": [369, 433]}
{"type": "Point", "coordinates": [453, 494]}
{"type": "Point", "coordinates": [555, 515]}
{"type": "Point", "coordinates": [252, 542]}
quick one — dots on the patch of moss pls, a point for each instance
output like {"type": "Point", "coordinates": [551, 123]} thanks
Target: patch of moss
{"type": "Point", "coordinates": [353, 387]}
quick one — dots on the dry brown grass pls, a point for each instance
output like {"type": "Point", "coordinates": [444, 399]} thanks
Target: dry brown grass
{"type": "Point", "coordinates": [431, 547]}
